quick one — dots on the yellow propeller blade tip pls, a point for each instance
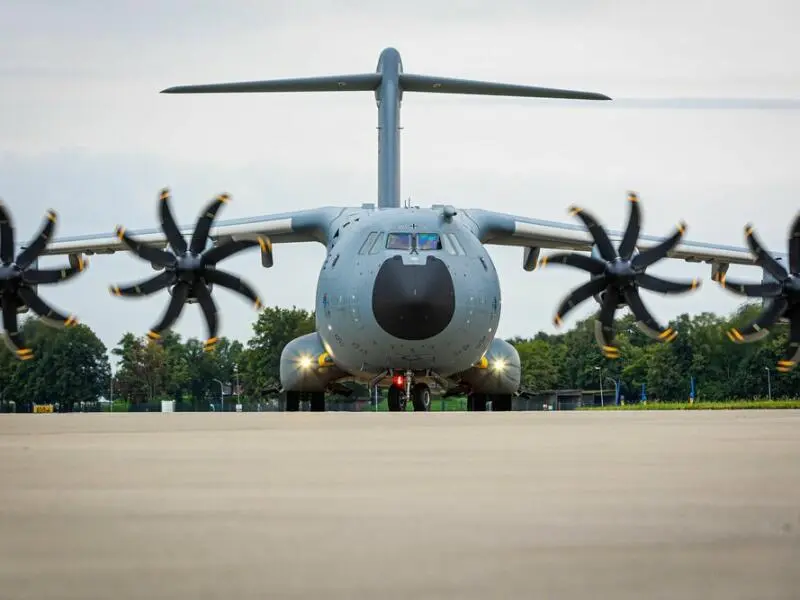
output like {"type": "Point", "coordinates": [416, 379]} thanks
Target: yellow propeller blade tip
{"type": "Point", "coordinates": [164, 195]}
{"type": "Point", "coordinates": [51, 214]}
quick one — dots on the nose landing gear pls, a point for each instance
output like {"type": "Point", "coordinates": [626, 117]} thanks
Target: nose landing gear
{"type": "Point", "coordinates": [403, 388]}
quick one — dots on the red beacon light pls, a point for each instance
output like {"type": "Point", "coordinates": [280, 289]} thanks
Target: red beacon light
{"type": "Point", "coordinates": [398, 381]}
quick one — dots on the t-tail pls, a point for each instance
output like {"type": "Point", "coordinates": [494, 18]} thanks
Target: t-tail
{"type": "Point", "coordinates": [388, 82]}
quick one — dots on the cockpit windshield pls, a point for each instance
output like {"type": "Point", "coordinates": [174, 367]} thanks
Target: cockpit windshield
{"type": "Point", "coordinates": [399, 241]}
{"type": "Point", "coordinates": [428, 241]}
{"type": "Point", "coordinates": [413, 241]}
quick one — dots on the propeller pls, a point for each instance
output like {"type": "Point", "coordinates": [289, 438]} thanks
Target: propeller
{"type": "Point", "coordinates": [189, 269]}
{"type": "Point", "coordinates": [782, 295]}
{"type": "Point", "coordinates": [19, 276]}
{"type": "Point", "coordinates": [617, 275]}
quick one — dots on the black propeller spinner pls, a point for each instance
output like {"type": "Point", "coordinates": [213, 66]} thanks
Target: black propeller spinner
{"type": "Point", "coordinates": [17, 278]}
{"type": "Point", "coordinates": [782, 295]}
{"type": "Point", "coordinates": [189, 269]}
{"type": "Point", "coordinates": [617, 277]}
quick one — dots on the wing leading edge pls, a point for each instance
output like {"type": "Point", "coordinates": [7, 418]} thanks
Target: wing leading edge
{"type": "Point", "coordinates": [298, 226]}
{"type": "Point", "coordinates": [510, 230]}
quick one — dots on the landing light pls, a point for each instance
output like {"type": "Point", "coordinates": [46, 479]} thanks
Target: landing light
{"type": "Point", "coordinates": [305, 361]}
{"type": "Point", "coordinates": [498, 365]}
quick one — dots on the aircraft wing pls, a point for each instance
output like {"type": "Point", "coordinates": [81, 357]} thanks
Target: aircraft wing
{"type": "Point", "coordinates": [299, 226]}
{"type": "Point", "coordinates": [510, 230]}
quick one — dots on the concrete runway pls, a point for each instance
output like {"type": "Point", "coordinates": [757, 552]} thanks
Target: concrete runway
{"type": "Point", "coordinates": [644, 505]}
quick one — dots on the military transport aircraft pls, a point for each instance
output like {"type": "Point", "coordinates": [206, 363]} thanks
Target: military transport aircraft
{"type": "Point", "coordinates": [406, 296]}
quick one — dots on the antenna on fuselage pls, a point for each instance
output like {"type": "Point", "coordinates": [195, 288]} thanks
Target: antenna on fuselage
{"type": "Point", "coordinates": [388, 82]}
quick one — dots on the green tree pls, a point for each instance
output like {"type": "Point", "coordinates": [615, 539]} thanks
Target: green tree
{"type": "Point", "coordinates": [70, 366]}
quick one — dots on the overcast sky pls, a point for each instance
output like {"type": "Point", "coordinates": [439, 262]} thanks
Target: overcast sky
{"type": "Point", "coordinates": [83, 129]}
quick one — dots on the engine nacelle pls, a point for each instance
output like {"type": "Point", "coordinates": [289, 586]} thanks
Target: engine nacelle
{"type": "Point", "coordinates": [498, 372]}
{"type": "Point", "coordinates": [306, 366]}
{"type": "Point", "coordinates": [601, 296]}
{"type": "Point", "coordinates": [767, 278]}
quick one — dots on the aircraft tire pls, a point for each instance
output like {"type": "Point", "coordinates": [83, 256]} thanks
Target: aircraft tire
{"type": "Point", "coordinates": [477, 402]}
{"type": "Point", "coordinates": [292, 402]}
{"type": "Point", "coordinates": [421, 397]}
{"type": "Point", "coordinates": [317, 401]}
{"type": "Point", "coordinates": [396, 400]}
{"type": "Point", "coordinates": [501, 402]}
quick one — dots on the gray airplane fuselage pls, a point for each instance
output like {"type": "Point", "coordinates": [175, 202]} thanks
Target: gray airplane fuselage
{"type": "Point", "coordinates": [406, 289]}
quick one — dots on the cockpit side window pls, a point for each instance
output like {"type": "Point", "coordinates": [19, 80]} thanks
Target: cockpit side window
{"type": "Point", "coordinates": [398, 241]}
{"type": "Point", "coordinates": [367, 245]}
{"type": "Point", "coordinates": [459, 249]}
{"type": "Point", "coordinates": [428, 241]}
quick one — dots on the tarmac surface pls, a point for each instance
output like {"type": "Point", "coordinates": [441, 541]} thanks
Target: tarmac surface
{"type": "Point", "coordinates": [655, 505]}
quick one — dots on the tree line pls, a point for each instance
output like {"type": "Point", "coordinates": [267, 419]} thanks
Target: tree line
{"type": "Point", "coordinates": [72, 367]}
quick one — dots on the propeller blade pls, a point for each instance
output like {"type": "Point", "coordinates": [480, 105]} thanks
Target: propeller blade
{"type": "Point", "coordinates": [146, 287]}
{"type": "Point", "coordinates": [46, 276]}
{"type": "Point", "coordinates": [49, 315]}
{"type": "Point", "coordinates": [752, 290]}
{"type": "Point", "coordinates": [233, 283]}
{"type": "Point", "coordinates": [200, 235]}
{"type": "Point", "coordinates": [579, 261]}
{"type": "Point", "coordinates": [11, 334]}
{"type": "Point", "coordinates": [6, 235]}
{"type": "Point", "coordinates": [604, 326]}
{"type": "Point", "coordinates": [159, 258]}
{"type": "Point", "coordinates": [179, 295]}
{"type": "Point", "coordinates": [578, 295]}
{"type": "Point", "coordinates": [794, 246]}
{"type": "Point", "coordinates": [759, 328]}
{"type": "Point", "coordinates": [174, 237]}
{"type": "Point", "coordinates": [659, 251]}
{"type": "Point", "coordinates": [791, 355]}
{"type": "Point", "coordinates": [209, 309]}
{"type": "Point", "coordinates": [632, 231]}
{"type": "Point", "coordinates": [664, 286]}
{"type": "Point", "coordinates": [645, 321]}
{"type": "Point", "coordinates": [227, 249]}
{"type": "Point", "coordinates": [38, 244]}
{"type": "Point", "coordinates": [763, 258]}
{"type": "Point", "coordinates": [597, 232]}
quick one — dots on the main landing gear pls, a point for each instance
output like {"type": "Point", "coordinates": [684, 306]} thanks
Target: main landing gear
{"type": "Point", "coordinates": [403, 388]}
{"type": "Point", "coordinates": [316, 401]}
{"type": "Point", "coordinates": [479, 402]}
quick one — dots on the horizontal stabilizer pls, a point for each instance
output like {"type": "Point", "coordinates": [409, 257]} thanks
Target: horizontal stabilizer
{"type": "Point", "coordinates": [334, 83]}
{"type": "Point", "coordinates": [445, 85]}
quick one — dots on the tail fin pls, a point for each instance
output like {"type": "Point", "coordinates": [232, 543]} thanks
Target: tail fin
{"type": "Point", "coordinates": [388, 82]}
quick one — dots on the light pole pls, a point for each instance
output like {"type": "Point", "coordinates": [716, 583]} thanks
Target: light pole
{"type": "Point", "coordinates": [236, 376]}
{"type": "Point", "coordinates": [769, 383]}
{"type": "Point", "coordinates": [221, 396]}
{"type": "Point", "coordinates": [602, 402]}
{"type": "Point", "coordinates": [111, 393]}
{"type": "Point", "coordinates": [616, 389]}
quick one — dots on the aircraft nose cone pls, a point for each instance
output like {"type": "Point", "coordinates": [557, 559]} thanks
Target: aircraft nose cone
{"type": "Point", "coordinates": [413, 302]}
